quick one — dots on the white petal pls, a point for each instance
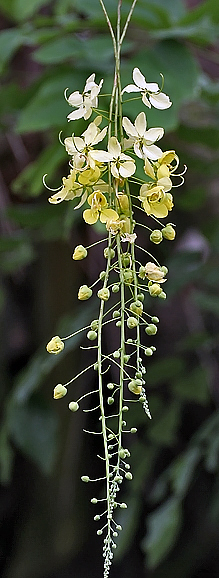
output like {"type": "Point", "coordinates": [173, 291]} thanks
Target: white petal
{"type": "Point", "coordinates": [69, 145]}
{"type": "Point", "coordinates": [152, 152]}
{"type": "Point", "coordinates": [114, 147]}
{"type": "Point", "coordinates": [140, 123]}
{"type": "Point", "coordinates": [160, 101]}
{"type": "Point", "coordinates": [75, 99]}
{"type": "Point", "coordinates": [138, 151]}
{"type": "Point", "coordinates": [79, 144]}
{"type": "Point", "coordinates": [131, 88]}
{"type": "Point", "coordinates": [124, 157]}
{"type": "Point", "coordinates": [146, 101]}
{"type": "Point", "coordinates": [114, 170]}
{"type": "Point", "coordinates": [101, 156]}
{"type": "Point", "coordinates": [100, 136]}
{"type": "Point", "coordinates": [127, 169]}
{"type": "Point", "coordinates": [90, 133]}
{"type": "Point", "coordinates": [89, 83]}
{"type": "Point", "coordinates": [129, 127]}
{"type": "Point", "coordinates": [138, 78]}
{"type": "Point", "coordinates": [76, 114]}
{"type": "Point", "coordinates": [87, 113]}
{"type": "Point", "coordinates": [152, 86]}
{"type": "Point", "coordinates": [153, 134]}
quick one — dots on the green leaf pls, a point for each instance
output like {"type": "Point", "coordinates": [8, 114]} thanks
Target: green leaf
{"type": "Point", "coordinates": [21, 9]}
{"type": "Point", "coordinates": [35, 431]}
{"type": "Point", "coordinates": [163, 527]}
{"type": "Point", "coordinates": [193, 386]}
{"type": "Point", "coordinates": [29, 181]}
{"type": "Point", "coordinates": [10, 41]}
{"type": "Point", "coordinates": [182, 470]}
{"type": "Point", "coordinates": [59, 50]}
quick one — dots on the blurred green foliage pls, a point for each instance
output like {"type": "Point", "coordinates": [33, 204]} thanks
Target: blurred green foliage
{"type": "Point", "coordinates": [45, 48]}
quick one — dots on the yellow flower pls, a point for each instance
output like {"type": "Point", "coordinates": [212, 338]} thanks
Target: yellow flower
{"type": "Point", "coordinates": [70, 190]}
{"type": "Point", "coordinates": [99, 209]}
{"type": "Point", "coordinates": [155, 201]}
{"type": "Point", "coordinates": [55, 345]}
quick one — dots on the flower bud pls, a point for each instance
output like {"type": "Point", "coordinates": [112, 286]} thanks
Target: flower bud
{"type": "Point", "coordinates": [103, 294]}
{"type": "Point", "coordinates": [133, 430]}
{"type": "Point", "coordinates": [59, 391]}
{"type": "Point", "coordinates": [155, 319]}
{"type": "Point", "coordinates": [128, 476]}
{"type": "Point", "coordinates": [94, 324]}
{"type": "Point", "coordinates": [116, 354]}
{"type": "Point", "coordinates": [109, 252]}
{"type": "Point", "coordinates": [132, 322]}
{"type": "Point", "coordinates": [155, 290]}
{"type": "Point", "coordinates": [73, 406]}
{"type": "Point", "coordinates": [134, 387]}
{"type": "Point", "coordinates": [118, 323]}
{"type": "Point", "coordinates": [156, 236]}
{"type": "Point", "coordinates": [55, 345]}
{"type": "Point", "coordinates": [148, 351]}
{"type": "Point", "coordinates": [79, 253]}
{"type": "Point", "coordinates": [85, 479]}
{"type": "Point", "coordinates": [142, 272]}
{"type": "Point", "coordinates": [151, 329]}
{"type": "Point", "coordinates": [128, 276]}
{"type": "Point", "coordinates": [84, 293]}
{"type": "Point", "coordinates": [116, 314]}
{"type": "Point", "coordinates": [110, 400]}
{"type": "Point", "coordinates": [123, 505]}
{"type": "Point", "coordinates": [169, 232]}
{"type": "Point", "coordinates": [115, 288]}
{"type": "Point", "coordinates": [136, 307]}
{"type": "Point", "coordinates": [123, 203]}
{"type": "Point", "coordinates": [92, 335]}
{"type": "Point", "coordinates": [140, 297]}
{"type": "Point", "coordinates": [126, 258]}
{"type": "Point", "coordinates": [102, 275]}
{"type": "Point", "coordinates": [162, 295]}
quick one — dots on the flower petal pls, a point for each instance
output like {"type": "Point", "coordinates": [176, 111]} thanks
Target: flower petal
{"type": "Point", "coordinates": [100, 136]}
{"type": "Point", "coordinates": [145, 100]}
{"type": "Point", "coordinates": [153, 134]}
{"type": "Point", "coordinates": [152, 152]}
{"type": "Point", "coordinates": [152, 87]}
{"type": "Point", "coordinates": [140, 123]}
{"type": "Point", "coordinates": [76, 113]}
{"type": "Point", "coordinates": [130, 88]}
{"type": "Point", "coordinates": [160, 101]}
{"type": "Point", "coordinates": [107, 214]}
{"type": "Point", "coordinates": [101, 156]}
{"type": "Point", "coordinates": [127, 169]}
{"type": "Point", "coordinates": [129, 127]}
{"type": "Point", "coordinates": [138, 78]}
{"type": "Point", "coordinates": [90, 216]}
{"type": "Point", "coordinates": [114, 147]}
{"type": "Point", "coordinates": [75, 99]}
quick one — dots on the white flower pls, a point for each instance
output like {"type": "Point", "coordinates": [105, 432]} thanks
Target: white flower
{"type": "Point", "coordinates": [130, 237]}
{"type": "Point", "coordinates": [80, 148]}
{"type": "Point", "coordinates": [142, 139]}
{"type": "Point", "coordinates": [121, 165]}
{"type": "Point", "coordinates": [150, 91]}
{"type": "Point", "coordinates": [85, 102]}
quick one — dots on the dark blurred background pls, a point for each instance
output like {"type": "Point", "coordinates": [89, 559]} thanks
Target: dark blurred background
{"type": "Point", "coordinates": [171, 527]}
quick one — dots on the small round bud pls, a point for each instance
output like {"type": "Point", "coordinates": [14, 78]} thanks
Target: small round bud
{"type": "Point", "coordinates": [118, 324]}
{"type": "Point", "coordinates": [169, 232]}
{"type": "Point", "coordinates": [122, 453]}
{"type": "Point", "coordinates": [128, 476]}
{"type": "Point", "coordinates": [85, 479]}
{"type": "Point", "coordinates": [103, 294]}
{"type": "Point", "coordinates": [59, 391]}
{"type": "Point", "coordinates": [102, 275]}
{"type": "Point", "coordinates": [118, 527]}
{"type": "Point", "coordinates": [109, 252]}
{"type": "Point", "coordinates": [115, 534]}
{"type": "Point", "coordinates": [79, 253]}
{"type": "Point", "coordinates": [99, 532]}
{"type": "Point", "coordinates": [126, 358]}
{"type": "Point", "coordinates": [73, 406]}
{"type": "Point", "coordinates": [138, 374]}
{"type": "Point", "coordinates": [155, 290]}
{"type": "Point", "coordinates": [84, 293]}
{"type": "Point", "coordinates": [55, 345]}
{"type": "Point", "coordinates": [133, 430]}
{"type": "Point", "coordinates": [110, 385]}
{"type": "Point", "coordinates": [148, 351]}
{"type": "Point", "coordinates": [125, 408]}
{"type": "Point", "coordinates": [94, 501]}
{"type": "Point", "coordinates": [110, 400]}
{"type": "Point", "coordinates": [123, 505]}
{"type": "Point", "coordinates": [124, 423]}
{"type": "Point", "coordinates": [151, 329]}
{"type": "Point", "coordinates": [127, 466]}
{"type": "Point", "coordinates": [142, 399]}
{"type": "Point", "coordinates": [95, 366]}
{"type": "Point", "coordinates": [128, 276]}
{"type": "Point", "coordinates": [156, 236]}
{"type": "Point", "coordinates": [162, 295]}
{"type": "Point", "coordinates": [96, 518]}
{"type": "Point", "coordinates": [153, 348]}
{"type": "Point", "coordinates": [94, 324]}
{"type": "Point", "coordinates": [136, 307]}
{"type": "Point", "coordinates": [116, 314]}
{"type": "Point", "coordinates": [164, 269]}
{"type": "Point", "coordinates": [132, 322]}
{"type": "Point", "coordinates": [115, 288]}
{"type": "Point", "coordinates": [135, 387]}
{"type": "Point", "coordinates": [92, 335]}
{"type": "Point", "coordinates": [140, 297]}
{"type": "Point", "coordinates": [116, 354]}
{"type": "Point", "coordinates": [155, 319]}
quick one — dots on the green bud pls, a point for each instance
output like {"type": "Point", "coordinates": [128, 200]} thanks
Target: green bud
{"type": "Point", "coordinates": [84, 293]}
{"type": "Point", "coordinates": [151, 329]}
{"type": "Point", "coordinates": [110, 400]}
{"type": "Point", "coordinates": [92, 335]}
{"type": "Point", "coordinates": [85, 479]}
{"type": "Point", "coordinates": [136, 307]}
{"type": "Point", "coordinates": [148, 351]}
{"type": "Point", "coordinates": [118, 527]}
{"type": "Point", "coordinates": [79, 253]}
{"type": "Point", "coordinates": [116, 314]}
{"type": "Point", "coordinates": [126, 358]}
{"type": "Point", "coordinates": [128, 476]}
{"type": "Point", "coordinates": [156, 236]}
{"type": "Point", "coordinates": [109, 252]}
{"type": "Point", "coordinates": [73, 406]}
{"type": "Point", "coordinates": [59, 391]}
{"type": "Point", "coordinates": [155, 319]}
{"type": "Point", "coordinates": [103, 294]}
{"type": "Point", "coordinates": [123, 505]}
{"type": "Point", "coordinates": [140, 297]}
{"type": "Point", "coordinates": [94, 501]}
{"type": "Point", "coordinates": [96, 518]}
{"type": "Point", "coordinates": [125, 408]}
{"type": "Point", "coordinates": [94, 324]}
{"type": "Point", "coordinates": [102, 275]}
{"type": "Point", "coordinates": [99, 532]}
{"type": "Point", "coordinates": [138, 374]}
{"type": "Point", "coordinates": [164, 269]}
{"type": "Point", "coordinates": [96, 366]}
{"type": "Point", "coordinates": [162, 295]}
{"type": "Point", "coordinates": [169, 232]}
{"type": "Point", "coordinates": [132, 322]}
{"type": "Point", "coordinates": [154, 290]}
{"type": "Point", "coordinates": [122, 453]}
{"type": "Point", "coordinates": [116, 354]}
{"type": "Point", "coordinates": [128, 276]}
{"type": "Point", "coordinates": [118, 324]}
{"type": "Point", "coordinates": [130, 340]}
{"type": "Point", "coordinates": [126, 259]}
{"type": "Point", "coordinates": [115, 288]}
{"type": "Point", "coordinates": [133, 430]}
{"type": "Point", "coordinates": [110, 385]}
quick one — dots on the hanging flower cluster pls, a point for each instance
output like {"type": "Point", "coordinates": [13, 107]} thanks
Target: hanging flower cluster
{"type": "Point", "coordinates": [104, 181]}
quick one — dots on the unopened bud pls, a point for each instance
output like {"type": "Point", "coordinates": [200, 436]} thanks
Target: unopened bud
{"type": "Point", "coordinates": [156, 236]}
{"type": "Point", "coordinates": [79, 253]}
{"type": "Point", "coordinates": [84, 293]}
{"type": "Point", "coordinates": [59, 391]}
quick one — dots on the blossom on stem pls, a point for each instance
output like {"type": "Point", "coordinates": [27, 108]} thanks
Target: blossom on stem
{"type": "Point", "coordinates": [142, 139]}
{"type": "Point", "coordinates": [150, 91]}
{"type": "Point", "coordinates": [121, 165]}
{"type": "Point", "coordinates": [80, 148]}
{"type": "Point", "coordinates": [85, 102]}
{"type": "Point", "coordinates": [155, 201]}
{"type": "Point", "coordinates": [99, 209]}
